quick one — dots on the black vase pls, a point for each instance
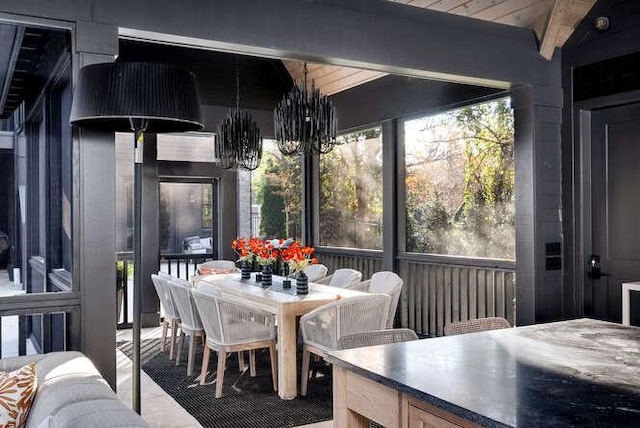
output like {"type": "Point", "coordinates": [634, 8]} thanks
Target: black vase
{"type": "Point", "coordinates": [302, 283]}
{"type": "Point", "coordinates": [266, 276]}
{"type": "Point", "coordinates": [245, 270]}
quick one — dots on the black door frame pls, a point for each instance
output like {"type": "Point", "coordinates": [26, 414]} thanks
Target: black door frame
{"type": "Point", "coordinates": [582, 120]}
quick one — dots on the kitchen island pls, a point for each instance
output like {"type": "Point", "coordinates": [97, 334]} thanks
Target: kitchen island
{"type": "Point", "coordinates": [572, 373]}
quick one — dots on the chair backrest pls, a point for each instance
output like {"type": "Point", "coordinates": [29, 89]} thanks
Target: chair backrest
{"type": "Point", "coordinates": [227, 322]}
{"type": "Point", "coordinates": [222, 265]}
{"type": "Point", "coordinates": [472, 326]}
{"type": "Point", "coordinates": [189, 316]}
{"type": "Point", "coordinates": [325, 325]}
{"type": "Point", "coordinates": [315, 272]}
{"type": "Point", "coordinates": [162, 289]}
{"type": "Point", "coordinates": [345, 277]}
{"type": "Point", "coordinates": [388, 283]}
{"type": "Point", "coordinates": [379, 337]}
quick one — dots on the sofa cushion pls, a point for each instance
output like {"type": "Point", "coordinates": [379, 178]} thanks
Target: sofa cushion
{"type": "Point", "coordinates": [17, 389]}
{"type": "Point", "coordinates": [97, 413]}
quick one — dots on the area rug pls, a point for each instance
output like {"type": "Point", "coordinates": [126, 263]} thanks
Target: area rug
{"type": "Point", "coordinates": [246, 401]}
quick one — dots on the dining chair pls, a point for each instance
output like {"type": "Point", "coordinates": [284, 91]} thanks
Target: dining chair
{"type": "Point", "coordinates": [190, 322]}
{"type": "Point", "coordinates": [342, 278]}
{"type": "Point", "coordinates": [475, 325]}
{"type": "Point", "coordinates": [378, 337]}
{"type": "Point", "coordinates": [384, 282]}
{"type": "Point", "coordinates": [168, 312]}
{"type": "Point", "coordinates": [231, 327]}
{"type": "Point", "coordinates": [315, 272]}
{"type": "Point", "coordinates": [323, 327]}
{"type": "Point", "coordinates": [217, 266]}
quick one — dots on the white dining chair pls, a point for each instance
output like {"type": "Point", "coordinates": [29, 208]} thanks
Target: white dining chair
{"type": "Point", "coordinates": [323, 327]}
{"type": "Point", "coordinates": [342, 278]}
{"type": "Point", "coordinates": [217, 265]}
{"type": "Point", "coordinates": [315, 272]}
{"type": "Point", "coordinates": [168, 313]}
{"type": "Point", "coordinates": [190, 322]}
{"type": "Point", "coordinates": [384, 282]}
{"type": "Point", "coordinates": [231, 327]}
{"type": "Point", "coordinates": [476, 325]}
{"type": "Point", "coordinates": [378, 337]}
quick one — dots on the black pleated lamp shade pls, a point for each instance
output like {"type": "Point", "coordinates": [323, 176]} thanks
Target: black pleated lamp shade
{"type": "Point", "coordinates": [109, 95]}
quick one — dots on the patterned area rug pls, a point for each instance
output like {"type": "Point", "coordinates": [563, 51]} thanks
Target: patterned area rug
{"type": "Point", "coordinates": [246, 401]}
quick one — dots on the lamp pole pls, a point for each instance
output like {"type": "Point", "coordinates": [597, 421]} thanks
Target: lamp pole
{"type": "Point", "coordinates": [138, 127]}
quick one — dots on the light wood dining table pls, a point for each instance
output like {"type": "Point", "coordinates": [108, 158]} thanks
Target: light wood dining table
{"type": "Point", "coordinates": [286, 305]}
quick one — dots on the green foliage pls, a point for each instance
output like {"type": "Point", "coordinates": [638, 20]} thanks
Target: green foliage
{"type": "Point", "coordinates": [123, 274]}
{"type": "Point", "coordinates": [460, 183]}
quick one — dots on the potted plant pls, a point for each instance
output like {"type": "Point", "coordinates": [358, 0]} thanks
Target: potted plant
{"type": "Point", "coordinates": [266, 256]}
{"type": "Point", "coordinates": [298, 258]}
{"type": "Point", "coordinates": [123, 270]}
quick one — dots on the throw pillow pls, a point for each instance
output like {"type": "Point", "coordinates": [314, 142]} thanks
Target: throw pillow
{"type": "Point", "coordinates": [17, 390]}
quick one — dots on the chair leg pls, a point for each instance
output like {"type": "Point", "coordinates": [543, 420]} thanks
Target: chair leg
{"type": "Point", "coordinates": [163, 342]}
{"type": "Point", "coordinates": [174, 335]}
{"type": "Point", "coordinates": [252, 362]}
{"type": "Point", "coordinates": [192, 353]}
{"type": "Point", "coordinates": [205, 364]}
{"type": "Point", "coordinates": [305, 371]}
{"type": "Point", "coordinates": [241, 365]}
{"type": "Point", "coordinates": [222, 360]}
{"type": "Point", "coordinates": [274, 365]}
{"type": "Point", "coordinates": [180, 342]}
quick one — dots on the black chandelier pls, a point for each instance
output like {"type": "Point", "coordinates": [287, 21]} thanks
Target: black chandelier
{"type": "Point", "coordinates": [239, 143]}
{"type": "Point", "coordinates": [305, 121]}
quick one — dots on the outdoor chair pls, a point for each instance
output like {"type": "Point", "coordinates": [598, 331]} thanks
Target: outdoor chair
{"type": "Point", "coordinates": [232, 327]}
{"type": "Point", "coordinates": [323, 327]}
{"type": "Point", "coordinates": [217, 266]}
{"type": "Point", "coordinates": [384, 282]}
{"type": "Point", "coordinates": [190, 322]}
{"type": "Point", "coordinates": [379, 337]}
{"type": "Point", "coordinates": [475, 325]}
{"type": "Point", "coordinates": [315, 272]}
{"type": "Point", "coordinates": [168, 312]}
{"type": "Point", "coordinates": [342, 278]}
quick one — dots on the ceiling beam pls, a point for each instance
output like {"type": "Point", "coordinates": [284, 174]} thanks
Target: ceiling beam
{"type": "Point", "coordinates": [13, 58]}
{"type": "Point", "coordinates": [563, 20]}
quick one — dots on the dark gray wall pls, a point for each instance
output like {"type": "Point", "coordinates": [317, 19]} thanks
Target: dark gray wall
{"type": "Point", "coordinates": [588, 46]}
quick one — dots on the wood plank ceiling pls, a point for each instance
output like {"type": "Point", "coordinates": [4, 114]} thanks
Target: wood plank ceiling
{"type": "Point", "coordinates": [553, 21]}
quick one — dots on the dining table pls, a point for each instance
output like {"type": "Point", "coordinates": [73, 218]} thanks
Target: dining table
{"type": "Point", "coordinates": [286, 304]}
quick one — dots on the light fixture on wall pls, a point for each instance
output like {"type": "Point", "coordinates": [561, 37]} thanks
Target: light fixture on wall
{"type": "Point", "coordinates": [239, 142]}
{"type": "Point", "coordinates": [601, 23]}
{"type": "Point", "coordinates": [305, 121]}
{"type": "Point", "coordinates": [138, 97]}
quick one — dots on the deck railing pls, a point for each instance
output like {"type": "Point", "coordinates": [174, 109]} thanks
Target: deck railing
{"type": "Point", "coordinates": [438, 289]}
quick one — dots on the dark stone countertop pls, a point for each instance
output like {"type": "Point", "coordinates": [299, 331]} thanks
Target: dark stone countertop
{"type": "Point", "coordinates": [581, 372]}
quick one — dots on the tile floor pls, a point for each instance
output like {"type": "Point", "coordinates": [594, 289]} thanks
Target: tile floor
{"type": "Point", "coordinates": [158, 408]}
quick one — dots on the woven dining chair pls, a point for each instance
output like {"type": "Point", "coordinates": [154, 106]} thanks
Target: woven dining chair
{"type": "Point", "coordinates": [217, 266]}
{"type": "Point", "coordinates": [190, 322]}
{"type": "Point", "coordinates": [379, 337]}
{"type": "Point", "coordinates": [168, 312]}
{"type": "Point", "coordinates": [315, 272]}
{"type": "Point", "coordinates": [384, 282]}
{"type": "Point", "coordinates": [323, 327]}
{"type": "Point", "coordinates": [341, 278]}
{"type": "Point", "coordinates": [475, 325]}
{"type": "Point", "coordinates": [230, 327]}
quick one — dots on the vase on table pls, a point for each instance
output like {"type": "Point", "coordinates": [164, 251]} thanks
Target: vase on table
{"type": "Point", "coordinates": [266, 276]}
{"type": "Point", "coordinates": [245, 270]}
{"type": "Point", "coordinates": [302, 283]}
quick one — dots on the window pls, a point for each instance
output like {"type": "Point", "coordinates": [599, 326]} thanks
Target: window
{"type": "Point", "coordinates": [186, 147]}
{"type": "Point", "coordinates": [351, 192]}
{"type": "Point", "coordinates": [460, 182]}
{"type": "Point", "coordinates": [276, 193]}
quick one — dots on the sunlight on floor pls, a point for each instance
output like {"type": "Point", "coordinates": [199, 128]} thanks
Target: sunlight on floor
{"type": "Point", "coordinates": [158, 408]}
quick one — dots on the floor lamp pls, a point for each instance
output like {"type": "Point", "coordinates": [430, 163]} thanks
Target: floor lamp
{"type": "Point", "coordinates": [138, 97]}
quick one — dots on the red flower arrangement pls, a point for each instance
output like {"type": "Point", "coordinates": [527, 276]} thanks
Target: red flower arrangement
{"type": "Point", "coordinates": [298, 257]}
{"type": "Point", "coordinates": [239, 245]}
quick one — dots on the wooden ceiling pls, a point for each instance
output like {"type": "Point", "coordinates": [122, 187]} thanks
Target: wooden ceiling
{"type": "Point", "coordinates": [552, 20]}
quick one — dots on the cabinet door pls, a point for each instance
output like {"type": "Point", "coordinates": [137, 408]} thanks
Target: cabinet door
{"type": "Point", "coordinates": [419, 418]}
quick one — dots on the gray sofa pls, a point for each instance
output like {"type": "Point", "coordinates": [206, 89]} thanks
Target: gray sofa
{"type": "Point", "coordinates": [71, 393]}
